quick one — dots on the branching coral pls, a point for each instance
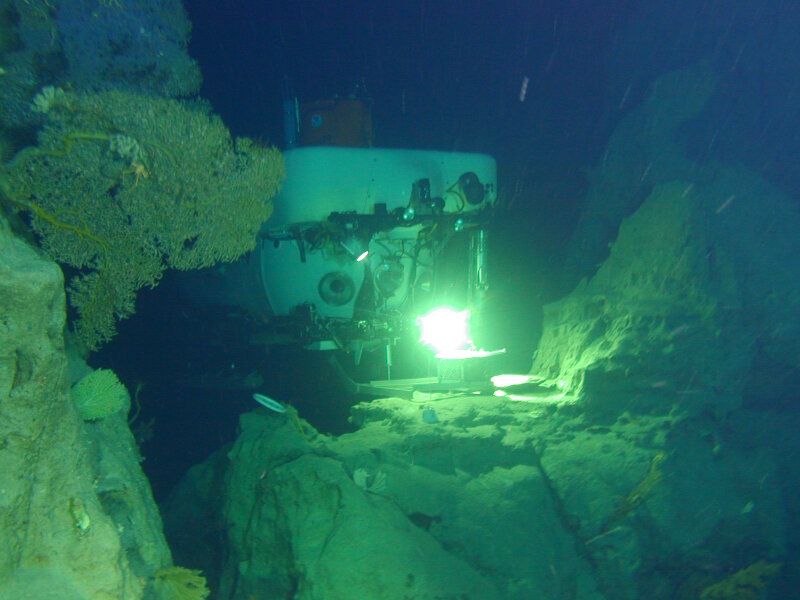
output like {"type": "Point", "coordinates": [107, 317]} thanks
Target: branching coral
{"type": "Point", "coordinates": [122, 186]}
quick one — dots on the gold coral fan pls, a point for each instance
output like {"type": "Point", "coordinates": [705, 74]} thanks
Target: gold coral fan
{"type": "Point", "coordinates": [744, 584]}
{"type": "Point", "coordinates": [178, 583]}
{"type": "Point", "coordinates": [123, 186]}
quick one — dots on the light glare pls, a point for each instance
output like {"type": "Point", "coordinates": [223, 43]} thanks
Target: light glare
{"type": "Point", "coordinates": [445, 329]}
{"type": "Point", "coordinates": [507, 380]}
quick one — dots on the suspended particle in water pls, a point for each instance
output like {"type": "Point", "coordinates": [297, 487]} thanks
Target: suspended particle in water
{"type": "Point", "coordinates": [523, 90]}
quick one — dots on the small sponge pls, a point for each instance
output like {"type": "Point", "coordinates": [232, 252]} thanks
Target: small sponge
{"type": "Point", "coordinates": [100, 394]}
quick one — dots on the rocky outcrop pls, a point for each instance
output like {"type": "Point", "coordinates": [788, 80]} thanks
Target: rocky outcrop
{"type": "Point", "coordinates": [644, 151]}
{"type": "Point", "coordinates": [498, 498]}
{"type": "Point", "coordinates": [402, 508]}
{"type": "Point", "coordinates": [77, 520]}
{"type": "Point", "coordinates": [678, 352]}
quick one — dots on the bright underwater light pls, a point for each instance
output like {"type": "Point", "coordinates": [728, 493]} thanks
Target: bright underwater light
{"type": "Point", "coordinates": [445, 329]}
{"type": "Point", "coordinates": [356, 248]}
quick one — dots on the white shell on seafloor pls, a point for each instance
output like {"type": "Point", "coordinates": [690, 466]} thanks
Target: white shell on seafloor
{"type": "Point", "coordinates": [269, 403]}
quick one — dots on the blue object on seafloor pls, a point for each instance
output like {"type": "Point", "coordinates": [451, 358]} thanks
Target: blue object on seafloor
{"type": "Point", "coordinates": [429, 416]}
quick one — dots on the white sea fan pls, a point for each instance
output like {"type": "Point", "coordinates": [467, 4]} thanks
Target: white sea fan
{"type": "Point", "coordinates": [46, 98]}
{"type": "Point", "coordinates": [360, 477]}
{"type": "Point", "coordinates": [374, 483]}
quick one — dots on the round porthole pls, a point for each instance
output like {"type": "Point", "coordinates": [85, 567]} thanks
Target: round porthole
{"type": "Point", "coordinates": [316, 120]}
{"type": "Point", "coordinates": [336, 288]}
{"type": "Point", "coordinates": [472, 188]}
